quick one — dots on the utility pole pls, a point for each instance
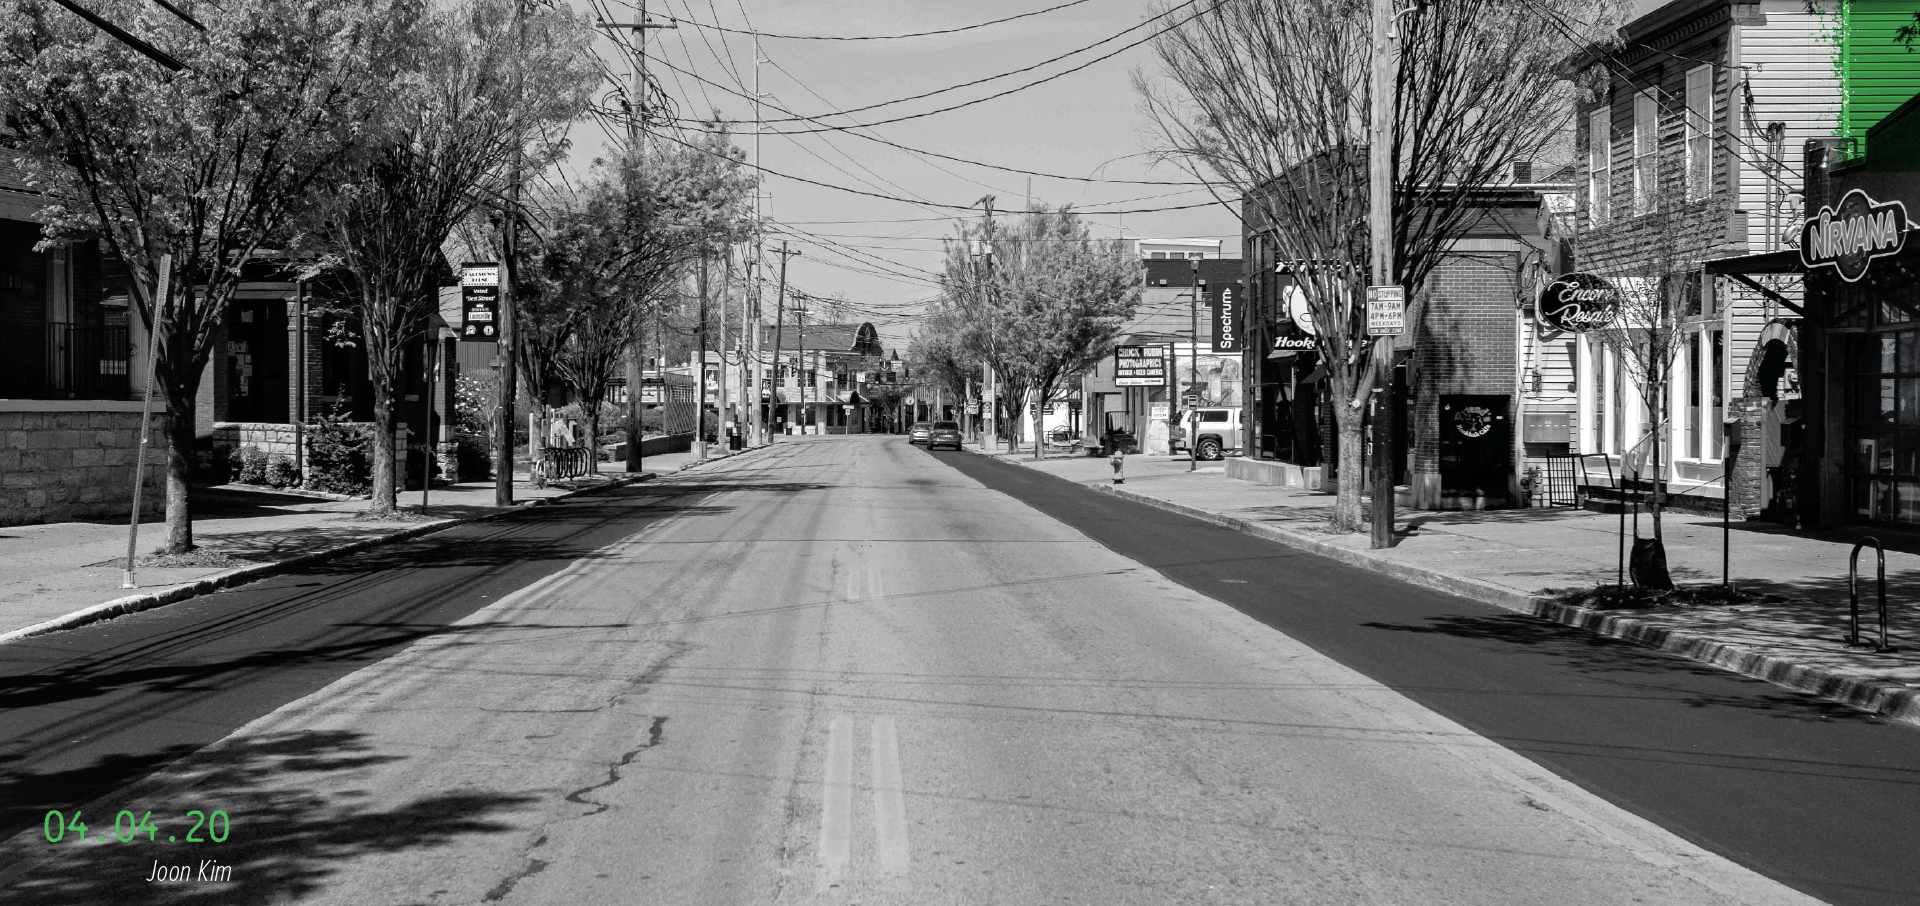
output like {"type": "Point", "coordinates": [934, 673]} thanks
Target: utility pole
{"type": "Point", "coordinates": [990, 406]}
{"type": "Point", "coordinates": [636, 121]}
{"type": "Point", "coordinates": [1193, 357]}
{"type": "Point", "coordinates": [779, 318]}
{"type": "Point", "coordinates": [509, 377]}
{"type": "Point", "coordinates": [800, 350]}
{"type": "Point", "coordinates": [700, 372]}
{"type": "Point", "coordinates": [764, 431]}
{"type": "Point", "coordinates": [729, 420]}
{"type": "Point", "coordinates": [1380, 172]}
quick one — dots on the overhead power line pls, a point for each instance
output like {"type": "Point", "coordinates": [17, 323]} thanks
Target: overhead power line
{"type": "Point", "coordinates": [917, 34]}
{"type": "Point", "coordinates": [999, 94]}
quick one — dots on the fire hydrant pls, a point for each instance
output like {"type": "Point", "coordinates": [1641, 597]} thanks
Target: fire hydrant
{"type": "Point", "coordinates": [1119, 460]}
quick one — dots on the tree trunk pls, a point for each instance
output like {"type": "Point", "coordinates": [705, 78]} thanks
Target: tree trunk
{"type": "Point", "coordinates": [1039, 425]}
{"type": "Point", "coordinates": [1659, 465]}
{"type": "Point", "coordinates": [1347, 516]}
{"type": "Point", "coordinates": [593, 438]}
{"type": "Point", "coordinates": [385, 492]}
{"type": "Point", "coordinates": [180, 439]}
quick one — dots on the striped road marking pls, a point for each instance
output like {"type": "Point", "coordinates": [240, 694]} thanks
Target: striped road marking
{"type": "Point", "coordinates": [836, 813]}
{"type": "Point", "coordinates": [889, 802]}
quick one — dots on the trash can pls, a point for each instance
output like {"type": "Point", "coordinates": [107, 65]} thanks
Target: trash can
{"type": "Point", "coordinates": [735, 442]}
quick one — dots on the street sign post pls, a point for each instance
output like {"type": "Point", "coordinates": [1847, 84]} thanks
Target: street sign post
{"type": "Point", "coordinates": [480, 301]}
{"type": "Point", "coordinates": [1190, 401]}
{"type": "Point", "coordinates": [1386, 311]}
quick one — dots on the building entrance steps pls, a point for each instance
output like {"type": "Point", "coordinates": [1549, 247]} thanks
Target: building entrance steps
{"type": "Point", "coordinates": [1520, 560]}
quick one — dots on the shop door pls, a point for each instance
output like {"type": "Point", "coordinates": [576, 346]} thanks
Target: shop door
{"type": "Point", "coordinates": [1476, 445]}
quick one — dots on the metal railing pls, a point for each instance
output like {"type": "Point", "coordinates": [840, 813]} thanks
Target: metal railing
{"type": "Point", "coordinates": [1854, 639]}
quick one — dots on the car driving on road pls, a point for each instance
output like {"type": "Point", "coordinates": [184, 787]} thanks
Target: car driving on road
{"type": "Point", "coordinates": [918, 433]}
{"type": "Point", "coordinates": [944, 434]}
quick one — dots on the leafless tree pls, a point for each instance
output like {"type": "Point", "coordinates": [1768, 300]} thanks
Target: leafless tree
{"type": "Point", "coordinates": [1267, 102]}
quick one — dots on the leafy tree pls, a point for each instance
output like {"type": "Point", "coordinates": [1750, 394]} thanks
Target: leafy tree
{"type": "Point", "coordinates": [602, 259]}
{"type": "Point", "coordinates": [210, 165]}
{"type": "Point", "coordinates": [484, 87]}
{"type": "Point", "coordinates": [1268, 101]}
{"type": "Point", "coordinates": [1047, 306]}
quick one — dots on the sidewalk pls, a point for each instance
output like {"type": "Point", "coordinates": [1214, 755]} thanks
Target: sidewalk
{"type": "Point", "coordinates": [59, 575]}
{"type": "Point", "coordinates": [1520, 559]}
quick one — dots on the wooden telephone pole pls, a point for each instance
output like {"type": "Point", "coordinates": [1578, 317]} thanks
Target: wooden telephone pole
{"type": "Point", "coordinates": [636, 122]}
{"type": "Point", "coordinates": [1380, 172]}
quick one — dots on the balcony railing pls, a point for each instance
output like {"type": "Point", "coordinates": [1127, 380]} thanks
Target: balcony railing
{"type": "Point", "coordinates": [68, 362]}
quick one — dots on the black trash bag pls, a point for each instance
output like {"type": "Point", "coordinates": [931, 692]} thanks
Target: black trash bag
{"type": "Point", "coordinates": [1648, 565]}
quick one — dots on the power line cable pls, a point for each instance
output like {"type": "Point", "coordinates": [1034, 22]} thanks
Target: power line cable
{"type": "Point", "coordinates": [918, 34]}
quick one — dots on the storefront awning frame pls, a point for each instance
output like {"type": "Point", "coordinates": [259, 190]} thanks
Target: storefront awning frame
{"type": "Point", "coordinates": [1740, 269]}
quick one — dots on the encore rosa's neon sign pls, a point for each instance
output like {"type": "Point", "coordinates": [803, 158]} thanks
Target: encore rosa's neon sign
{"type": "Point", "coordinates": [1579, 303]}
{"type": "Point", "coordinates": [1848, 236]}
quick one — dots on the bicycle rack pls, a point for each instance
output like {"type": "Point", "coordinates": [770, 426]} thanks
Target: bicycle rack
{"type": "Point", "coordinates": [1854, 639]}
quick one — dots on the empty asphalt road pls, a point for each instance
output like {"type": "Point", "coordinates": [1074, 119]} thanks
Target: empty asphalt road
{"type": "Point", "coordinates": [844, 670]}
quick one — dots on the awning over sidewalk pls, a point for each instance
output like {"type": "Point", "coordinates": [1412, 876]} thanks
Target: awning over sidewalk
{"type": "Point", "coordinates": [1743, 268]}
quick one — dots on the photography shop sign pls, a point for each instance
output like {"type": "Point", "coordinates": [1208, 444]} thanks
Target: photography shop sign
{"type": "Point", "coordinates": [1579, 303]}
{"type": "Point", "coordinates": [1139, 366]}
{"type": "Point", "coordinates": [1849, 236]}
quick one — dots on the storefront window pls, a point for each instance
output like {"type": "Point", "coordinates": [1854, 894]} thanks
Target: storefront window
{"type": "Point", "coordinates": [1884, 468]}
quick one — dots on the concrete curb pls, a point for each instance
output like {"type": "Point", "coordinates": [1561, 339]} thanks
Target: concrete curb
{"type": "Point", "coordinates": [1894, 701]}
{"type": "Point", "coordinates": [245, 574]}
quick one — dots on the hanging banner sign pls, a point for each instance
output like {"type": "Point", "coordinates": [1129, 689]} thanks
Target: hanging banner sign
{"type": "Point", "coordinates": [1226, 321]}
{"type": "Point", "coordinates": [1140, 366]}
{"type": "Point", "coordinates": [1849, 236]}
{"type": "Point", "coordinates": [480, 301]}
{"type": "Point", "coordinates": [1578, 303]}
{"type": "Point", "coordinates": [1386, 311]}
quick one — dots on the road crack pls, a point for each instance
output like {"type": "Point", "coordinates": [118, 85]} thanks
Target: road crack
{"type": "Point", "coordinates": [534, 866]}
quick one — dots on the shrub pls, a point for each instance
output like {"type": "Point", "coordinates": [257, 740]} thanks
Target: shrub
{"type": "Point", "coordinates": [339, 456]}
{"type": "Point", "coordinates": [474, 456]}
{"type": "Point", "coordinates": [253, 465]}
{"type": "Point", "coordinates": [280, 472]}
{"type": "Point", "coordinates": [218, 466]}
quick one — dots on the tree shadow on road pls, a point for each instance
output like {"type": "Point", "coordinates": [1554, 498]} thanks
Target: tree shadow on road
{"type": "Point", "coordinates": [1627, 667]}
{"type": "Point", "coordinates": [296, 821]}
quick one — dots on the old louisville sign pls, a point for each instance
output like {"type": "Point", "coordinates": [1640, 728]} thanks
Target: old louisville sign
{"type": "Point", "coordinates": [1579, 303]}
{"type": "Point", "coordinates": [1847, 237]}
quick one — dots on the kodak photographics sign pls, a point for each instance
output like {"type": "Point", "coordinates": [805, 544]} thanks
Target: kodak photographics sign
{"type": "Point", "coordinates": [1578, 303]}
{"type": "Point", "coordinates": [1848, 236]}
{"type": "Point", "coordinates": [1140, 366]}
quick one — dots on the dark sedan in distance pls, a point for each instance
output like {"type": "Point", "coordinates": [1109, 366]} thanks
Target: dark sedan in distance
{"type": "Point", "coordinates": [944, 434]}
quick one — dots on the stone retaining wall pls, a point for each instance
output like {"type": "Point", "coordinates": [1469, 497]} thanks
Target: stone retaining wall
{"type": "Point", "coordinates": [66, 461]}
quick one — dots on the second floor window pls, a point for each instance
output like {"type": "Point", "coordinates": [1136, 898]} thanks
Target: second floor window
{"type": "Point", "coordinates": [1646, 142]}
{"type": "Point", "coordinates": [1599, 163]}
{"type": "Point", "coordinates": [1699, 132]}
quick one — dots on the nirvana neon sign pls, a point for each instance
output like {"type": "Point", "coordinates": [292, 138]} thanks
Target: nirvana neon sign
{"type": "Point", "coordinates": [1848, 236]}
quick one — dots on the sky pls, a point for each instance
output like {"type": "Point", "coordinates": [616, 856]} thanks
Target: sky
{"type": "Point", "coordinates": [882, 254]}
